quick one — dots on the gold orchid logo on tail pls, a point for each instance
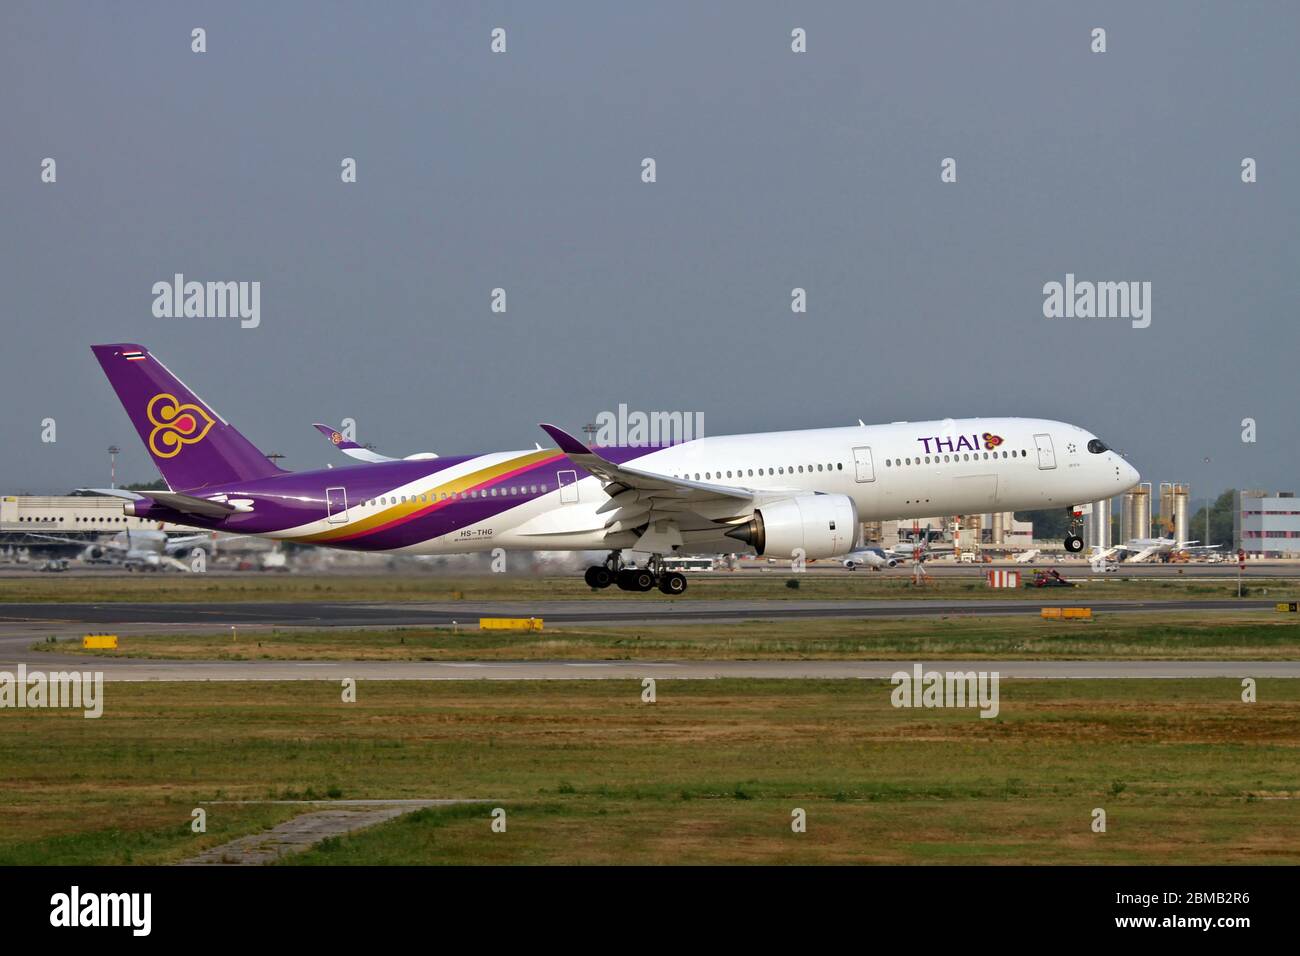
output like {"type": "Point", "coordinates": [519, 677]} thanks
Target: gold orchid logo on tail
{"type": "Point", "coordinates": [175, 424]}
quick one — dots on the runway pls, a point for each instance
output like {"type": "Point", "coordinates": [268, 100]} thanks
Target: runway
{"type": "Point", "coordinates": [22, 625]}
{"type": "Point", "coordinates": [135, 670]}
{"type": "Point", "coordinates": [14, 617]}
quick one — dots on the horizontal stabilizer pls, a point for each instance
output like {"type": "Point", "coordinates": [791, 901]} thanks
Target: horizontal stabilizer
{"type": "Point", "coordinates": [190, 505]}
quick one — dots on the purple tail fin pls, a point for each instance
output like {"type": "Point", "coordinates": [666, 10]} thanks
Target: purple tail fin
{"type": "Point", "coordinates": [190, 443]}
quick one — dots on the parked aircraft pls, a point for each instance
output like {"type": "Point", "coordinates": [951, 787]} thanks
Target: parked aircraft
{"type": "Point", "coordinates": [873, 558]}
{"type": "Point", "coordinates": [143, 549]}
{"type": "Point", "coordinates": [1144, 549]}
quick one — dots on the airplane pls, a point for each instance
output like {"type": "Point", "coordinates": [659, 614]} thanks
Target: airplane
{"type": "Point", "coordinates": [794, 493]}
{"type": "Point", "coordinates": [143, 549]}
{"type": "Point", "coordinates": [1142, 549]}
{"type": "Point", "coordinates": [1025, 557]}
{"type": "Point", "coordinates": [873, 558]}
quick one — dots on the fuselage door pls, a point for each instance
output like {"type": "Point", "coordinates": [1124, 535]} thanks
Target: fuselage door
{"type": "Point", "coordinates": [568, 482]}
{"type": "Point", "coordinates": [1046, 454]}
{"type": "Point", "coordinates": [862, 463]}
{"type": "Point", "coordinates": [336, 505]}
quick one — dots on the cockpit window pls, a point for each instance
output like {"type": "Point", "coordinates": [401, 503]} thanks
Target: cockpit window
{"type": "Point", "coordinates": [1097, 446]}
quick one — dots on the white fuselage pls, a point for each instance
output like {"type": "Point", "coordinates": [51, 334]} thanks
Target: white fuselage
{"type": "Point", "coordinates": [901, 470]}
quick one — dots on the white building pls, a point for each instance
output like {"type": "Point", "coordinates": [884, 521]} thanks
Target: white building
{"type": "Point", "coordinates": [69, 515]}
{"type": "Point", "coordinates": [1266, 526]}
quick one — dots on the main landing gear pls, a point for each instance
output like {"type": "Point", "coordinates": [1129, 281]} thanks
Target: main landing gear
{"type": "Point", "coordinates": [1073, 540]}
{"type": "Point", "coordinates": [635, 579]}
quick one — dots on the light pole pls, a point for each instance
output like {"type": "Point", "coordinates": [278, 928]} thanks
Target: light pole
{"type": "Point", "coordinates": [1207, 507]}
{"type": "Point", "coordinates": [112, 465]}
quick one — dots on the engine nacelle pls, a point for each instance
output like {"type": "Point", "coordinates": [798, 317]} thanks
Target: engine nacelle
{"type": "Point", "coordinates": [822, 526]}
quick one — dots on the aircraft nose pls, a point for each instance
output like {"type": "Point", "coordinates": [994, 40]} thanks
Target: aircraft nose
{"type": "Point", "coordinates": [1131, 476]}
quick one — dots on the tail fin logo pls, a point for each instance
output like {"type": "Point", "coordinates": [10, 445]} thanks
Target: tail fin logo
{"type": "Point", "coordinates": [175, 424]}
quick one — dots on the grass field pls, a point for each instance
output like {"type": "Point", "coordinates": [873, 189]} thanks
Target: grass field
{"type": "Point", "coordinates": [587, 773]}
{"type": "Point", "coordinates": [1173, 636]}
{"type": "Point", "coordinates": [770, 585]}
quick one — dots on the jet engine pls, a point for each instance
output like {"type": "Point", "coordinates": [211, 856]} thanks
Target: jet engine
{"type": "Point", "coordinates": [823, 526]}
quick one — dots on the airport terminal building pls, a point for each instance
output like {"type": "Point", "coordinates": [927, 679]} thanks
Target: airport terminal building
{"type": "Point", "coordinates": [1266, 526]}
{"type": "Point", "coordinates": [69, 515]}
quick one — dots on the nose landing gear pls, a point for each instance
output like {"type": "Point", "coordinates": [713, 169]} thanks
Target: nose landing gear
{"type": "Point", "coordinates": [600, 576]}
{"type": "Point", "coordinates": [1073, 540]}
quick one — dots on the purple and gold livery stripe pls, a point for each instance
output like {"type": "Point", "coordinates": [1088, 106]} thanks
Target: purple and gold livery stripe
{"type": "Point", "coordinates": [399, 514]}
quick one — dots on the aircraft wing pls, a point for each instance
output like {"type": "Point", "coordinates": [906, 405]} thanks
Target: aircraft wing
{"type": "Point", "coordinates": [620, 478]}
{"type": "Point", "coordinates": [640, 498]}
{"type": "Point", "coordinates": [79, 542]}
{"type": "Point", "coordinates": [1142, 555]}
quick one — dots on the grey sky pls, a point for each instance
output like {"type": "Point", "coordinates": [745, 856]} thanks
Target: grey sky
{"type": "Point", "coordinates": [775, 170]}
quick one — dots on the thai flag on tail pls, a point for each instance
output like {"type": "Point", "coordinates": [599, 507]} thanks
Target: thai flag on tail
{"type": "Point", "coordinates": [133, 356]}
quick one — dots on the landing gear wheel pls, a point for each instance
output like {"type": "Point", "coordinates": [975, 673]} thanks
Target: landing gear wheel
{"type": "Point", "coordinates": [598, 576]}
{"type": "Point", "coordinates": [672, 583]}
{"type": "Point", "coordinates": [1073, 543]}
{"type": "Point", "coordinates": [635, 579]}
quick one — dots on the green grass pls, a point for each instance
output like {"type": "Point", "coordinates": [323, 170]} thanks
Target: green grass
{"type": "Point", "coordinates": [769, 585]}
{"type": "Point", "coordinates": [1176, 635]}
{"type": "Point", "coordinates": [710, 773]}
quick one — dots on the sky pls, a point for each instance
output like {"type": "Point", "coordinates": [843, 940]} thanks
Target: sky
{"type": "Point", "coordinates": [774, 170]}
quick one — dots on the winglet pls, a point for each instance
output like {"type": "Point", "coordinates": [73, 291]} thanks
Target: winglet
{"type": "Point", "coordinates": [568, 444]}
